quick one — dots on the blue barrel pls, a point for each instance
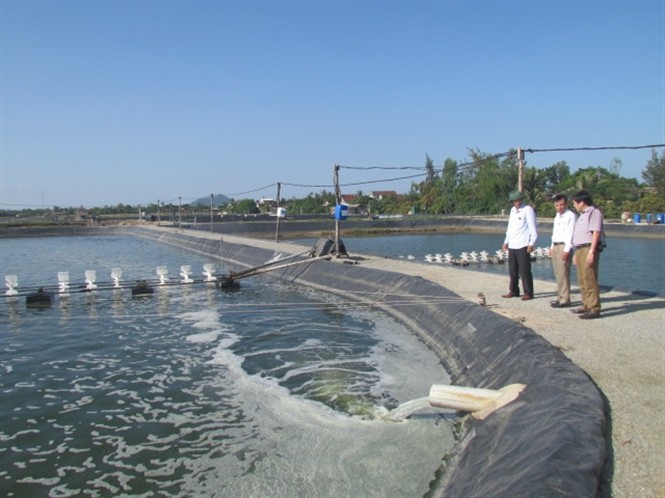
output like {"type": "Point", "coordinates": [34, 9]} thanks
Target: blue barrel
{"type": "Point", "coordinates": [341, 211]}
{"type": "Point", "coordinates": [637, 218]}
{"type": "Point", "coordinates": [661, 218]}
{"type": "Point", "coordinates": [649, 218]}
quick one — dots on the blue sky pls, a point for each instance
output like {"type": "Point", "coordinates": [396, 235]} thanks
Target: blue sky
{"type": "Point", "coordinates": [132, 102]}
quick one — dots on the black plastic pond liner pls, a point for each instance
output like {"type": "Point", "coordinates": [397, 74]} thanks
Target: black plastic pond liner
{"type": "Point", "coordinates": [549, 442]}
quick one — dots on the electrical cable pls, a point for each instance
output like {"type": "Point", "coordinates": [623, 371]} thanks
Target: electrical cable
{"type": "Point", "coordinates": [307, 186]}
{"type": "Point", "coordinates": [459, 167]}
{"type": "Point", "coordinates": [252, 191]}
{"type": "Point", "coordinates": [576, 149]}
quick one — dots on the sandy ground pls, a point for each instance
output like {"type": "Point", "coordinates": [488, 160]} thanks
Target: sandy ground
{"type": "Point", "coordinates": [623, 352]}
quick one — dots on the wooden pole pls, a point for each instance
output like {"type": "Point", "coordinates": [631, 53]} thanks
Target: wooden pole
{"type": "Point", "coordinates": [279, 188]}
{"type": "Point", "coordinates": [179, 213]}
{"type": "Point", "coordinates": [520, 171]}
{"type": "Point", "coordinates": [338, 200]}
{"type": "Point", "coordinates": [212, 229]}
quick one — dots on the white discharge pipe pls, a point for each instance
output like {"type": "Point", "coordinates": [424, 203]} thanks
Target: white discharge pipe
{"type": "Point", "coordinates": [480, 402]}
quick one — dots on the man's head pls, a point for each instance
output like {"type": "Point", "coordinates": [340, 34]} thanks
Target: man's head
{"type": "Point", "coordinates": [516, 198]}
{"type": "Point", "coordinates": [560, 203]}
{"type": "Point", "coordinates": [581, 200]}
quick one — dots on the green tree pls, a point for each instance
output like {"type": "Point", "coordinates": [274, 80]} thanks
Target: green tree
{"type": "Point", "coordinates": [611, 193]}
{"type": "Point", "coordinates": [654, 173]}
{"type": "Point", "coordinates": [429, 167]}
{"type": "Point", "coordinates": [448, 185]}
{"type": "Point", "coordinates": [553, 176]}
{"type": "Point", "coordinates": [319, 203]}
{"type": "Point", "coordinates": [243, 206]}
{"type": "Point", "coordinates": [486, 183]}
{"type": "Point", "coordinates": [429, 190]}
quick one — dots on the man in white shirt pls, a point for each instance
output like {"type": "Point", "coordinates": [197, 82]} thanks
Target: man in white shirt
{"type": "Point", "coordinates": [561, 250]}
{"type": "Point", "coordinates": [520, 241]}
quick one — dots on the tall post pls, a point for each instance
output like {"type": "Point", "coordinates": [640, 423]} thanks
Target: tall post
{"type": "Point", "coordinates": [279, 188]}
{"type": "Point", "coordinates": [212, 229]}
{"type": "Point", "coordinates": [179, 213]}
{"type": "Point", "coordinates": [159, 216]}
{"type": "Point", "coordinates": [338, 200]}
{"type": "Point", "coordinates": [520, 170]}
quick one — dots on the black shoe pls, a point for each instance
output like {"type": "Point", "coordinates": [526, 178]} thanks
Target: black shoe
{"type": "Point", "coordinates": [557, 304]}
{"type": "Point", "coordinates": [590, 314]}
{"type": "Point", "coordinates": [579, 311]}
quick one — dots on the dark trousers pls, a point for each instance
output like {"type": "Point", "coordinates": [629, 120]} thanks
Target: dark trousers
{"type": "Point", "coordinates": [519, 266]}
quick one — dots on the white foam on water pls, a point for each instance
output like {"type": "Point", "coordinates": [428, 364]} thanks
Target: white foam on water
{"type": "Point", "coordinates": [202, 337]}
{"type": "Point", "coordinates": [307, 344]}
{"type": "Point", "coordinates": [407, 367]}
{"type": "Point", "coordinates": [183, 416]}
{"type": "Point", "coordinates": [302, 447]}
{"type": "Point", "coordinates": [207, 319]}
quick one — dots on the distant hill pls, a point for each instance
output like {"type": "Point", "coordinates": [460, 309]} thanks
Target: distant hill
{"type": "Point", "coordinates": [217, 200]}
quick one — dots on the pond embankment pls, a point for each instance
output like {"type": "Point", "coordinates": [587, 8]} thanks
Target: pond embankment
{"type": "Point", "coordinates": [295, 228]}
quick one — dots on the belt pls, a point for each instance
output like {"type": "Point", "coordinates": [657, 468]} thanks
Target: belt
{"type": "Point", "coordinates": [583, 245]}
{"type": "Point", "coordinates": [558, 243]}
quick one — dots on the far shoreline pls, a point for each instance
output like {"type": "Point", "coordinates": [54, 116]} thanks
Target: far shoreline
{"type": "Point", "coordinates": [296, 228]}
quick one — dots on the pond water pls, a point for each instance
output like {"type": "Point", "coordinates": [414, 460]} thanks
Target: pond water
{"type": "Point", "coordinates": [271, 390]}
{"type": "Point", "coordinates": [634, 264]}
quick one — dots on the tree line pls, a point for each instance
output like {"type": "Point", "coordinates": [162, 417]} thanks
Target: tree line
{"type": "Point", "coordinates": [484, 185]}
{"type": "Point", "coordinates": [479, 187]}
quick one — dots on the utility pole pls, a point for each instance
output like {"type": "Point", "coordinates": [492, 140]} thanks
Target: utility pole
{"type": "Point", "coordinates": [279, 188]}
{"type": "Point", "coordinates": [520, 170]}
{"type": "Point", "coordinates": [179, 213]}
{"type": "Point", "coordinates": [159, 215]}
{"type": "Point", "coordinates": [212, 229]}
{"type": "Point", "coordinates": [338, 201]}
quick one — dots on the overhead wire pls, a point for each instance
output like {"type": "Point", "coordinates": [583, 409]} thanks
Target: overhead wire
{"type": "Point", "coordinates": [459, 167]}
{"type": "Point", "coordinates": [381, 180]}
{"type": "Point", "coordinates": [462, 166]}
{"type": "Point", "coordinates": [308, 186]}
{"type": "Point", "coordinates": [576, 149]}
{"type": "Point", "coordinates": [252, 191]}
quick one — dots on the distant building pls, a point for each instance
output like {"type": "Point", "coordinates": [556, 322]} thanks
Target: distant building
{"type": "Point", "coordinates": [382, 194]}
{"type": "Point", "coordinates": [348, 200]}
{"type": "Point", "coordinates": [81, 215]}
{"type": "Point", "coordinates": [267, 205]}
